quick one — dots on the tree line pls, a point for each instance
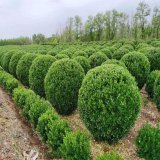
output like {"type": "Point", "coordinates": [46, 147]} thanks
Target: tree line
{"type": "Point", "coordinates": [111, 25]}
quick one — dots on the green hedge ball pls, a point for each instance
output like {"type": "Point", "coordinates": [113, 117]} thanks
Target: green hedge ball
{"type": "Point", "coordinates": [38, 71]}
{"type": "Point", "coordinates": [109, 102]}
{"type": "Point", "coordinates": [62, 84]}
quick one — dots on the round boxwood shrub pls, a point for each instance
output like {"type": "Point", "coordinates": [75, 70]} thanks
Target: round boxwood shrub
{"type": "Point", "coordinates": [14, 61]}
{"type": "Point", "coordinates": [151, 81]}
{"type": "Point", "coordinates": [156, 92]}
{"type": "Point", "coordinates": [118, 54]}
{"type": "Point", "coordinates": [58, 130]}
{"type": "Point", "coordinates": [110, 156]}
{"type": "Point", "coordinates": [62, 84]}
{"type": "Point", "coordinates": [6, 60]}
{"type": "Point", "coordinates": [38, 71]}
{"type": "Point", "coordinates": [84, 62]}
{"type": "Point", "coordinates": [138, 65]}
{"type": "Point", "coordinates": [154, 59]}
{"type": "Point", "coordinates": [80, 53]}
{"type": "Point", "coordinates": [90, 51]}
{"type": "Point", "coordinates": [52, 52]}
{"type": "Point", "coordinates": [76, 146]}
{"type": "Point", "coordinates": [61, 56]}
{"type": "Point", "coordinates": [114, 61]}
{"type": "Point", "coordinates": [147, 142]}
{"type": "Point", "coordinates": [97, 59]}
{"type": "Point", "coordinates": [109, 102]}
{"type": "Point", "coordinates": [44, 123]}
{"type": "Point", "coordinates": [23, 67]}
{"type": "Point", "coordinates": [107, 52]}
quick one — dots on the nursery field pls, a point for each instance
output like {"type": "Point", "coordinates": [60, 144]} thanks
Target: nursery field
{"type": "Point", "coordinates": [80, 101]}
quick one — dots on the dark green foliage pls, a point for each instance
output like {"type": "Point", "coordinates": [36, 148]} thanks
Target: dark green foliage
{"type": "Point", "coordinates": [30, 101]}
{"type": "Point", "coordinates": [114, 61]}
{"type": "Point", "coordinates": [118, 54]}
{"type": "Point", "coordinates": [138, 65]}
{"type": "Point", "coordinates": [84, 62]}
{"type": "Point", "coordinates": [8, 81]}
{"type": "Point", "coordinates": [52, 53]}
{"type": "Point", "coordinates": [156, 91]}
{"type": "Point", "coordinates": [58, 130]}
{"type": "Point", "coordinates": [62, 84]}
{"type": "Point", "coordinates": [151, 81]}
{"type": "Point", "coordinates": [37, 109]}
{"type": "Point", "coordinates": [80, 53]}
{"type": "Point", "coordinates": [23, 67]}
{"type": "Point", "coordinates": [109, 102]}
{"type": "Point", "coordinates": [148, 142]}
{"type": "Point", "coordinates": [110, 156]}
{"type": "Point", "coordinates": [76, 146]}
{"type": "Point", "coordinates": [44, 123]}
{"type": "Point", "coordinates": [107, 52]}
{"type": "Point", "coordinates": [6, 60]}
{"type": "Point", "coordinates": [20, 94]}
{"type": "Point", "coordinates": [97, 59]}
{"type": "Point", "coordinates": [90, 51]}
{"type": "Point", "coordinates": [38, 71]}
{"type": "Point", "coordinates": [154, 59]}
{"type": "Point", "coordinates": [61, 56]}
{"type": "Point", "coordinates": [14, 61]}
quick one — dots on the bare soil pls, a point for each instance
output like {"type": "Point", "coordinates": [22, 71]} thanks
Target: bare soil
{"type": "Point", "coordinates": [17, 139]}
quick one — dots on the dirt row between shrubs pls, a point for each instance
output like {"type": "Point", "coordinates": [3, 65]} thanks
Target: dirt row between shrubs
{"type": "Point", "coordinates": [17, 140]}
{"type": "Point", "coordinates": [126, 147]}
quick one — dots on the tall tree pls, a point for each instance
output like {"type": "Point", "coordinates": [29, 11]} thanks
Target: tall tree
{"type": "Point", "coordinates": [143, 11]}
{"type": "Point", "coordinates": [78, 27]}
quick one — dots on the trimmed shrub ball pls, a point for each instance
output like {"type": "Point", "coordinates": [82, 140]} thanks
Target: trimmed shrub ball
{"type": "Point", "coordinates": [114, 61]}
{"type": "Point", "coordinates": [109, 102]}
{"type": "Point", "coordinates": [118, 54]}
{"type": "Point", "coordinates": [6, 60]}
{"type": "Point", "coordinates": [23, 67]}
{"type": "Point", "coordinates": [14, 61]}
{"type": "Point", "coordinates": [62, 84]}
{"type": "Point", "coordinates": [97, 59]}
{"type": "Point", "coordinates": [61, 56]}
{"type": "Point", "coordinates": [84, 62]}
{"type": "Point", "coordinates": [107, 52]}
{"type": "Point", "coordinates": [154, 59]}
{"type": "Point", "coordinates": [38, 71]}
{"type": "Point", "coordinates": [138, 65]}
{"type": "Point", "coordinates": [76, 146]}
{"type": "Point", "coordinates": [147, 142]}
{"type": "Point", "coordinates": [80, 53]}
{"type": "Point", "coordinates": [151, 81]}
{"type": "Point", "coordinates": [156, 92]}
{"type": "Point", "coordinates": [110, 156]}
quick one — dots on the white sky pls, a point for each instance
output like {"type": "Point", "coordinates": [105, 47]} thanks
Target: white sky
{"type": "Point", "coordinates": [26, 17]}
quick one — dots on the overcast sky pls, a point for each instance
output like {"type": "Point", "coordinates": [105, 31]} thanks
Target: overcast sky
{"type": "Point", "coordinates": [25, 17]}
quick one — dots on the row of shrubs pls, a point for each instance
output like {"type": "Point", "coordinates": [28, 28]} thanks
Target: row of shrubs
{"type": "Point", "coordinates": [53, 131]}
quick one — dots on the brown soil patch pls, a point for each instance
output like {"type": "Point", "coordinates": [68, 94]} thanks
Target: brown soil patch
{"type": "Point", "coordinates": [17, 139]}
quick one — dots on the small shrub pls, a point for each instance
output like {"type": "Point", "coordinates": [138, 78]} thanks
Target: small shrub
{"type": "Point", "coordinates": [58, 130]}
{"type": "Point", "coordinates": [107, 117]}
{"type": "Point", "coordinates": [37, 109]}
{"type": "Point", "coordinates": [118, 54]}
{"type": "Point", "coordinates": [107, 52]}
{"type": "Point", "coordinates": [138, 65]}
{"type": "Point", "coordinates": [14, 61]}
{"type": "Point", "coordinates": [6, 60]}
{"type": "Point", "coordinates": [84, 62]}
{"type": "Point", "coordinates": [23, 66]}
{"type": "Point", "coordinates": [151, 81]}
{"type": "Point", "coordinates": [61, 56]}
{"type": "Point", "coordinates": [148, 142]}
{"type": "Point", "coordinates": [97, 59]}
{"type": "Point", "coordinates": [80, 53]}
{"type": "Point", "coordinates": [156, 92]}
{"type": "Point", "coordinates": [62, 84]}
{"type": "Point", "coordinates": [76, 146]}
{"type": "Point", "coordinates": [38, 71]}
{"type": "Point", "coordinates": [44, 122]}
{"type": "Point", "coordinates": [110, 156]}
